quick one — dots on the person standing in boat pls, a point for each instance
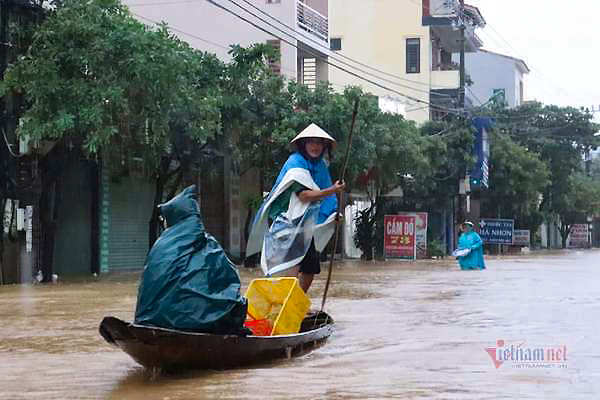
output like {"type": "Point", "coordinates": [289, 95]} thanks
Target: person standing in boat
{"type": "Point", "coordinates": [470, 248]}
{"type": "Point", "coordinates": [303, 209]}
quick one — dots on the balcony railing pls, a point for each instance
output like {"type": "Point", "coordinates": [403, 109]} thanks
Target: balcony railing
{"type": "Point", "coordinates": [444, 8]}
{"type": "Point", "coordinates": [446, 66]}
{"type": "Point", "coordinates": [313, 22]}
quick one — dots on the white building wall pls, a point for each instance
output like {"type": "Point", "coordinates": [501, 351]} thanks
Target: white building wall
{"type": "Point", "coordinates": [490, 71]}
{"type": "Point", "coordinates": [208, 28]}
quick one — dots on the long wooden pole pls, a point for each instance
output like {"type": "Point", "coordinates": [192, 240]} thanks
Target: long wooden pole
{"type": "Point", "coordinates": [340, 203]}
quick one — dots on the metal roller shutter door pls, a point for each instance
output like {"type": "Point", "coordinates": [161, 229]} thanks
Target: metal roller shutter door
{"type": "Point", "coordinates": [130, 210]}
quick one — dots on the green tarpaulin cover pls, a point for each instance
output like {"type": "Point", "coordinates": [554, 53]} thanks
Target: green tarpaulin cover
{"type": "Point", "coordinates": [188, 282]}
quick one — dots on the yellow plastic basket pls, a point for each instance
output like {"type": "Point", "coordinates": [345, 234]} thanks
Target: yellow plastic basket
{"type": "Point", "coordinates": [280, 300]}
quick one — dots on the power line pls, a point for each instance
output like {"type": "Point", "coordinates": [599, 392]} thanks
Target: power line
{"type": "Point", "coordinates": [543, 77]}
{"type": "Point", "coordinates": [321, 45]}
{"type": "Point", "coordinates": [182, 32]}
{"type": "Point", "coordinates": [9, 146]}
{"type": "Point", "coordinates": [160, 3]}
{"type": "Point", "coordinates": [316, 55]}
{"type": "Point", "coordinates": [511, 49]}
{"type": "Point", "coordinates": [474, 95]}
{"type": "Point", "coordinates": [224, 47]}
{"type": "Point", "coordinates": [337, 53]}
{"type": "Point", "coordinates": [333, 57]}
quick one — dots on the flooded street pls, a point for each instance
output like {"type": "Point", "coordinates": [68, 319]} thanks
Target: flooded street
{"type": "Point", "coordinates": [403, 330]}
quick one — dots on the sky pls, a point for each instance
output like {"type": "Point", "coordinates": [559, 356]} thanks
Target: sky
{"type": "Point", "coordinates": [558, 40]}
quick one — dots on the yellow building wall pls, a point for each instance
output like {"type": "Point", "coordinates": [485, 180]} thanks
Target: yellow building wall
{"type": "Point", "coordinates": [374, 32]}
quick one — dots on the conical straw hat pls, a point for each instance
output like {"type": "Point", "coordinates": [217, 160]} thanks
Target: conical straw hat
{"type": "Point", "coordinates": [314, 131]}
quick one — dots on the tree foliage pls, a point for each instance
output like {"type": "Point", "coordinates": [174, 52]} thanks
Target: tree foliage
{"type": "Point", "coordinates": [561, 136]}
{"type": "Point", "coordinates": [138, 97]}
{"type": "Point", "coordinates": [447, 156]}
{"type": "Point", "coordinates": [518, 178]}
{"type": "Point", "coordinates": [97, 77]}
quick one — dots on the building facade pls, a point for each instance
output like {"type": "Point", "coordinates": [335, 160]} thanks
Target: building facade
{"type": "Point", "coordinates": [410, 43]}
{"type": "Point", "coordinates": [496, 78]}
{"type": "Point", "coordinates": [216, 25]}
{"type": "Point", "coordinates": [299, 29]}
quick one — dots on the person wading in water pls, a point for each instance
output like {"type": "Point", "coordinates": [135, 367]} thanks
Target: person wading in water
{"type": "Point", "coordinates": [471, 245]}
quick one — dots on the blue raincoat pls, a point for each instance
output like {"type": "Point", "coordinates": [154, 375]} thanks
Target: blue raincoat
{"type": "Point", "coordinates": [285, 243]}
{"type": "Point", "coordinates": [474, 259]}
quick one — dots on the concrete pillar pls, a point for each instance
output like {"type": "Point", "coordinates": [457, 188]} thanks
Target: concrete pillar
{"type": "Point", "coordinates": [322, 70]}
{"type": "Point", "coordinates": [232, 208]}
{"type": "Point", "coordinates": [474, 214]}
{"type": "Point", "coordinates": [544, 235]}
{"type": "Point", "coordinates": [299, 69]}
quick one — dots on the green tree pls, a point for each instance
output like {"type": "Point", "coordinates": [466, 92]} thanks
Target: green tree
{"type": "Point", "coordinates": [17, 23]}
{"type": "Point", "coordinates": [561, 136]}
{"type": "Point", "coordinates": [518, 177]}
{"type": "Point", "coordinates": [96, 78]}
{"type": "Point", "coordinates": [447, 157]}
{"type": "Point", "coordinates": [573, 206]}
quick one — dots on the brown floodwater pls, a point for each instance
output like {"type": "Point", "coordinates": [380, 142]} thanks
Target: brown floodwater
{"type": "Point", "coordinates": [403, 331]}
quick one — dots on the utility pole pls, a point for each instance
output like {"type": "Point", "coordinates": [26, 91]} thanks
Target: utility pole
{"type": "Point", "coordinates": [461, 92]}
{"type": "Point", "coordinates": [3, 150]}
{"type": "Point", "coordinates": [463, 193]}
{"type": "Point", "coordinates": [4, 9]}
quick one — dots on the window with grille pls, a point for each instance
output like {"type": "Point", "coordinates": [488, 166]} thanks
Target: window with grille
{"type": "Point", "coordinates": [275, 62]}
{"type": "Point", "coordinates": [273, 1]}
{"type": "Point", "coordinates": [413, 56]}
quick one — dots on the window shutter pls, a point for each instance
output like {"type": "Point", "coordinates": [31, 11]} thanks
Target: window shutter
{"type": "Point", "coordinates": [275, 63]}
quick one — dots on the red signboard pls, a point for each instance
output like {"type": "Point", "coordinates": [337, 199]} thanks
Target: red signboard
{"type": "Point", "coordinates": [420, 232]}
{"type": "Point", "coordinates": [399, 236]}
{"type": "Point", "coordinates": [578, 236]}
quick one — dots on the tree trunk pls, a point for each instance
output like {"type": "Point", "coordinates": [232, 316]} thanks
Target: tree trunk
{"type": "Point", "coordinates": [159, 190]}
{"type": "Point", "coordinates": [48, 207]}
{"type": "Point", "coordinates": [367, 254]}
{"type": "Point", "coordinates": [50, 166]}
{"type": "Point", "coordinates": [564, 230]}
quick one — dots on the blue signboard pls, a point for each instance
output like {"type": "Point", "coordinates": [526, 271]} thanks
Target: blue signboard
{"type": "Point", "coordinates": [496, 231]}
{"type": "Point", "coordinates": [479, 175]}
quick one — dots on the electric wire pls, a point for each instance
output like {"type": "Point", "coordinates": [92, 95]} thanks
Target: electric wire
{"type": "Point", "coordinates": [183, 32]}
{"type": "Point", "coordinates": [417, 100]}
{"type": "Point", "coordinates": [288, 42]}
{"type": "Point", "coordinates": [340, 54]}
{"type": "Point", "coordinates": [221, 46]}
{"type": "Point", "coordinates": [160, 3]}
{"type": "Point", "coordinates": [428, 92]}
{"type": "Point", "coordinates": [8, 145]}
{"type": "Point", "coordinates": [270, 33]}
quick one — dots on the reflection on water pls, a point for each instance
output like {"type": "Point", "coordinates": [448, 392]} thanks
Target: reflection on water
{"type": "Point", "coordinates": [403, 330]}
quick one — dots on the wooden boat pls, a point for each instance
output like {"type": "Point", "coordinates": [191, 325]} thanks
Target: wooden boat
{"type": "Point", "coordinates": [173, 350]}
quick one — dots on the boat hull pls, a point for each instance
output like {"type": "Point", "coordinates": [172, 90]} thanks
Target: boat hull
{"type": "Point", "coordinates": [173, 350]}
